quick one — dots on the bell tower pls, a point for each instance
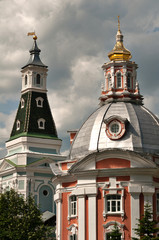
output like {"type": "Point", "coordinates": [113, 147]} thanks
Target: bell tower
{"type": "Point", "coordinates": [34, 129]}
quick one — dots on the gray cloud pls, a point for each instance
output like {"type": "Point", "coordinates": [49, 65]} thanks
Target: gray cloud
{"type": "Point", "coordinates": [75, 37]}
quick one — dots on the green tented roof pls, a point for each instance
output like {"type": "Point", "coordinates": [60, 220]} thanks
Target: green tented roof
{"type": "Point", "coordinates": [29, 115]}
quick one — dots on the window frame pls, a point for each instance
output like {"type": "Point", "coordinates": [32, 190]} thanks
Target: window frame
{"type": "Point", "coordinates": [22, 103]}
{"type": "Point", "coordinates": [129, 80]}
{"type": "Point", "coordinates": [117, 202]}
{"type": "Point", "coordinates": [113, 191]}
{"type": "Point", "coordinates": [72, 206]}
{"type": "Point", "coordinates": [17, 125]}
{"type": "Point", "coordinates": [117, 80]}
{"type": "Point", "coordinates": [109, 81]}
{"type": "Point", "coordinates": [37, 102]}
{"type": "Point", "coordinates": [41, 120]}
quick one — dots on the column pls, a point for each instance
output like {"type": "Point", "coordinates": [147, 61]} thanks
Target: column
{"type": "Point", "coordinates": [92, 214]}
{"type": "Point", "coordinates": [135, 207]}
{"type": "Point", "coordinates": [57, 199]}
{"type": "Point", "coordinates": [148, 192]}
{"type": "Point", "coordinates": [81, 217]}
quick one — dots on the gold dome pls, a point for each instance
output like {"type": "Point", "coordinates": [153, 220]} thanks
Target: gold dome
{"type": "Point", "coordinates": [119, 52]}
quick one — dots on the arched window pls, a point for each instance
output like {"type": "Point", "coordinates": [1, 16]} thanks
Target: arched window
{"type": "Point", "coordinates": [38, 79]}
{"type": "Point", "coordinates": [41, 123]}
{"type": "Point", "coordinates": [129, 80]}
{"type": "Point", "coordinates": [109, 81]}
{"type": "Point", "coordinates": [17, 125]}
{"type": "Point", "coordinates": [39, 101]}
{"type": "Point", "coordinates": [119, 80]}
{"type": "Point", "coordinates": [26, 79]}
{"type": "Point", "coordinates": [22, 103]}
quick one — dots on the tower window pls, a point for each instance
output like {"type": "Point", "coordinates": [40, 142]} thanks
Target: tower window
{"type": "Point", "coordinates": [22, 103]}
{"type": "Point", "coordinates": [41, 123]}
{"type": "Point", "coordinates": [26, 79]}
{"type": "Point", "coordinates": [39, 102]}
{"type": "Point", "coordinates": [17, 125]}
{"type": "Point", "coordinates": [38, 79]}
{"type": "Point", "coordinates": [129, 80]}
{"type": "Point", "coordinates": [109, 81]}
{"type": "Point", "coordinates": [118, 80]}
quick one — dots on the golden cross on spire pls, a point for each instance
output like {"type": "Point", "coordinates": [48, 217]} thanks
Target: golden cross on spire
{"type": "Point", "coordinates": [118, 24]}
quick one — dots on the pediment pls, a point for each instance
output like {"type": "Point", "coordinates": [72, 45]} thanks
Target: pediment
{"type": "Point", "coordinates": [112, 160]}
{"type": "Point", "coordinates": [5, 165]}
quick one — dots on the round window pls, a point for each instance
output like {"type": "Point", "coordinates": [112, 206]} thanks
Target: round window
{"type": "Point", "coordinates": [45, 192]}
{"type": "Point", "coordinates": [115, 128]}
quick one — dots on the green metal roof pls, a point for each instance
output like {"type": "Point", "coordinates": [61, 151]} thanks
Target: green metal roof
{"type": "Point", "coordinates": [29, 115]}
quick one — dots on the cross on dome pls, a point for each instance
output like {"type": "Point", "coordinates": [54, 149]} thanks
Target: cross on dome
{"type": "Point", "coordinates": [119, 52]}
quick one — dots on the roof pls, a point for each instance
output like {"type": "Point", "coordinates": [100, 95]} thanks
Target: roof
{"type": "Point", "coordinates": [29, 115]}
{"type": "Point", "coordinates": [141, 133]}
{"type": "Point", "coordinates": [34, 57]}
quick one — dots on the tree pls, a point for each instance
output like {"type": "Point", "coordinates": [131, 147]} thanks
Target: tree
{"type": "Point", "coordinates": [21, 219]}
{"type": "Point", "coordinates": [115, 234]}
{"type": "Point", "coordinates": [146, 226]}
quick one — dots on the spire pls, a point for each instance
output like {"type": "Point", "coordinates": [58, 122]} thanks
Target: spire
{"type": "Point", "coordinates": [119, 52]}
{"type": "Point", "coordinates": [34, 54]}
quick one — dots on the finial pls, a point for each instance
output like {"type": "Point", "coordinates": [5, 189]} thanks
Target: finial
{"type": "Point", "coordinates": [32, 34]}
{"type": "Point", "coordinates": [118, 24]}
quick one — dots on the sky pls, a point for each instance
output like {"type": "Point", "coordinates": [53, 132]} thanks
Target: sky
{"type": "Point", "coordinates": [75, 38]}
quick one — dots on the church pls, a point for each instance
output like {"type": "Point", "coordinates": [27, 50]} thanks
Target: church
{"type": "Point", "coordinates": [112, 169]}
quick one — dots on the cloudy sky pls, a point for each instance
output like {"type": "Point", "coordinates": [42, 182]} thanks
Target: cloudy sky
{"type": "Point", "coordinates": [75, 37]}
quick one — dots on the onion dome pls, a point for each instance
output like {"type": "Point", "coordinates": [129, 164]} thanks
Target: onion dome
{"type": "Point", "coordinates": [119, 52]}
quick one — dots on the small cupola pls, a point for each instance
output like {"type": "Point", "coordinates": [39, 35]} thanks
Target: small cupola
{"type": "Point", "coordinates": [34, 73]}
{"type": "Point", "coordinates": [121, 83]}
{"type": "Point", "coordinates": [119, 52]}
{"type": "Point", "coordinates": [35, 55]}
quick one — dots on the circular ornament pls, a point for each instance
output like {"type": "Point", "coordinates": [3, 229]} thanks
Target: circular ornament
{"type": "Point", "coordinates": [115, 129]}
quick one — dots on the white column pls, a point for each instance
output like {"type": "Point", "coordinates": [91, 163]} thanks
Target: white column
{"type": "Point", "coordinates": [81, 217]}
{"type": "Point", "coordinates": [57, 199]}
{"type": "Point", "coordinates": [135, 207]}
{"type": "Point", "coordinates": [148, 192]}
{"type": "Point", "coordinates": [92, 217]}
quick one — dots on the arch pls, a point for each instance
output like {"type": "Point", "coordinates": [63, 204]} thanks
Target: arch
{"type": "Point", "coordinates": [41, 123]}
{"type": "Point", "coordinates": [46, 198]}
{"type": "Point", "coordinates": [38, 79]}
{"type": "Point", "coordinates": [108, 227]}
{"type": "Point", "coordinates": [118, 80]}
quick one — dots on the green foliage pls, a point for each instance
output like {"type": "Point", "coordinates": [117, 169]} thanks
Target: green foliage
{"type": "Point", "coordinates": [20, 219]}
{"type": "Point", "coordinates": [146, 228]}
{"type": "Point", "coordinates": [115, 234]}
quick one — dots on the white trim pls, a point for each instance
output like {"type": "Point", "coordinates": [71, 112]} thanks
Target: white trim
{"type": "Point", "coordinates": [22, 103]}
{"type": "Point", "coordinates": [81, 217]}
{"type": "Point", "coordinates": [41, 101]}
{"type": "Point", "coordinates": [92, 217]}
{"type": "Point", "coordinates": [41, 120]}
{"type": "Point", "coordinates": [17, 125]}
